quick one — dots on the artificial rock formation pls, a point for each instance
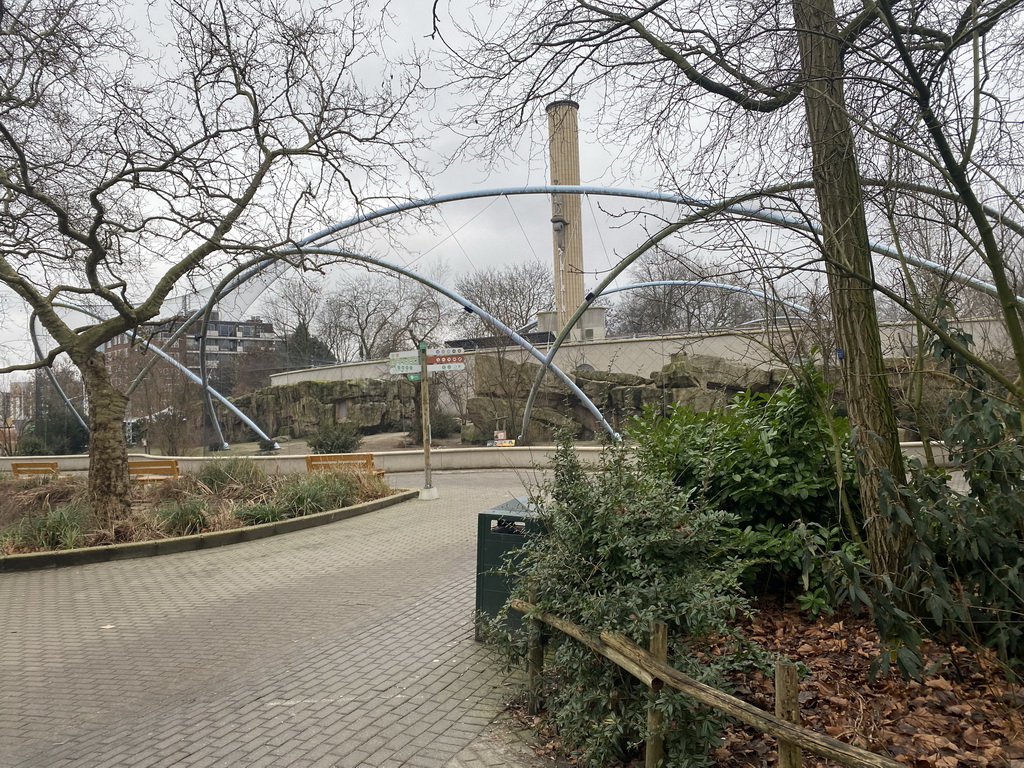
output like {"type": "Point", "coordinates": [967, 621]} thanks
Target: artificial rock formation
{"type": "Point", "coordinates": [500, 387]}
{"type": "Point", "coordinates": [299, 410]}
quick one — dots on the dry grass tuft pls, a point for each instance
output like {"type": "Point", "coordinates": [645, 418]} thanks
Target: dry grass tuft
{"type": "Point", "coordinates": [19, 498]}
{"type": "Point", "coordinates": [140, 525]}
{"type": "Point", "coordinates": [223, 517]}
{"type": "Point", "coordinates": [370, 487]}
{"type": "Point", "coordinates": [40, 514]}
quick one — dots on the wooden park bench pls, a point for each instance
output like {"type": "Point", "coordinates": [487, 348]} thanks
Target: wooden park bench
{"type": "Point", "coordinates": [152, 470]}
{"type": "Point", "coordinates": [361, 462]}
{"type": "Point", "coordinates": [27, 469]}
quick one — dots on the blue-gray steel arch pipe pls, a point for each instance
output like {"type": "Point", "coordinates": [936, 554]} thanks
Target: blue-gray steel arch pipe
{"type": "Point", "coordinates": [754, 214]}
{"type": "Point", "coordinates": [191, 376]}
{"type": "Point", "coordinates": [471, 307]}
{"type": "Point", "coordinates": [707, 284]}
{"type": "Point", "coordinates": [710, 208]}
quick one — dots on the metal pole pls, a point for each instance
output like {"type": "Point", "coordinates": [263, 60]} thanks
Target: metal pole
{"type": "Point", "coordinates": [428, 491]}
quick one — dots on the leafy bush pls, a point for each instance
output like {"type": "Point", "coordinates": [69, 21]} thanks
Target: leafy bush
{"type": "Point", "coordinates": [964, 578]}
{"type": "Point", "coordinates": [59, 527]}
{"type": "Point", "coordinates": [30, 445]}
{"type": "Point", "coordinates": [237, 472]}
{"type": "Point", "coordinates": [302, 495]}
{"type": "Point", "coordinates": [805, 561]}
{"type": "Point", "coordinates": [764, 457]}
{"type": "Point", "coordinates": [444, 424]}
{"type": "Point", "coordinates": [183, 518]}
{"type": "Point", "coordinates": [771, 460]}
{"type": "Point", "coordinates": [622, 547]}
{"type": "Point", "coordinates": [342, 437]}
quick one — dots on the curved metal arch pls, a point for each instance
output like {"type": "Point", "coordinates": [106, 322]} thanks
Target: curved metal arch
{"type": "Point", "coordinates": [706, 212]}
{"type": "Point", "coordinates": [709, 207]}
{"type": "Point", "coordinates": [715, 207]}
{"type": "Point", "coordinates": [240, 275]}
{"type": "Point", "coordinates": [471, 307]}
{"type": "Point", "coordinates": [246, 272]}
{"type": "Point", "coordinates": [159, 351]}
{"type": "Point", "coordinates": [707, 284]}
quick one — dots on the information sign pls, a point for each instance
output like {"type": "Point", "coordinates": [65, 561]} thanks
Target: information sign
{"type": "Point", "coordinates": [438, 359]}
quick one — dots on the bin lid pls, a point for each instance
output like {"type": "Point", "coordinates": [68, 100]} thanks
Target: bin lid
{"type": "Point", "coordinates": [520, 507]}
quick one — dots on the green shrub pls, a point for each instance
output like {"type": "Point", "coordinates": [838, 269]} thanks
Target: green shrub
{"type": "Point", "coordinates": [764, 457]}
{"type": "Point", "coordinates": [621, 547]}
{"type": "Point", "coordinates": [182, 518]}
{"type": "Point", "coordinates": [30, 445]}
{"type": "Point", "coordinates": [343, 437]}
{"type": "Point", "coordinates": [963, 579]}
{"type": "Point", "coordinates": [257, 514]}
{"type": "Point", "coordinates": [302, 495]}
{"type": "Point", "coordinates": [444, 424]}
{"type": "Point", "coordinates": [58, 527]}
{"type": "Point", "coordinates": [784, 466]}
{"type": "Point", "coordinates": [237, 472]}
{"type": "Point", "coordinates": [805, 561]}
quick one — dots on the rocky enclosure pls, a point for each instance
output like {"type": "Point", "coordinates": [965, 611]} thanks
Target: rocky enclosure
{"type": "Point", "coordinates": [499, 386]}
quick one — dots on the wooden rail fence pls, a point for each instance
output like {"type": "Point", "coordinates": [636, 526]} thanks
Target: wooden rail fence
{"type": "Point", "coordinates": [651, 667]}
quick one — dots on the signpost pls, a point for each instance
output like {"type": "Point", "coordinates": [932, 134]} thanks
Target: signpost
{"type": "Point", "coordinates": [438, 359]}
{"type": "Point", "coordinates": [417, 365]}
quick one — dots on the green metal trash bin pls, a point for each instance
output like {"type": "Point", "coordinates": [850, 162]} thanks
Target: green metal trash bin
{"type": "Point", "coordinates": [500, 531]}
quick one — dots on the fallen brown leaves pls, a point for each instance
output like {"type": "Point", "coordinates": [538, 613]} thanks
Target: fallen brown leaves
{"type": "Point", "coordinates": [963, 715]}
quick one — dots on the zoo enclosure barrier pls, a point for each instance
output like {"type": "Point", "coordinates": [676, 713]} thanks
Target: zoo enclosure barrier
{"type": "Point", "coordinates": [650, 667]}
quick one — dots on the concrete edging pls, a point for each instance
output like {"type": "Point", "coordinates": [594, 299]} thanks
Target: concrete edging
{"type": "Point", "coordinates": [87, 555]}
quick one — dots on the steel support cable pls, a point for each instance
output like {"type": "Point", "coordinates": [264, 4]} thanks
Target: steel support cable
{"type": "Point", "coordinates": [707, 284]}
{"type": "Point", "coordinates": [33, 318]}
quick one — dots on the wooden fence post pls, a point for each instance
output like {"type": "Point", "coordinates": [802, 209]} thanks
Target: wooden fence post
{"type": "Point", "coordinates": [654, 754]}
{"type": "Point", "coordinates": [535, 663]}
{"type": "Point", "coordinates": [787, 707]}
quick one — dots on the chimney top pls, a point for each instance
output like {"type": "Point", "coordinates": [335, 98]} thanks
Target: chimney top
{"type": "Point", "coordinates": [562, 103]}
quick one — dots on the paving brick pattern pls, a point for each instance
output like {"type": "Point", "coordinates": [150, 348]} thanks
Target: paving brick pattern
{"type": "Point", "coordinates": [345, 645]}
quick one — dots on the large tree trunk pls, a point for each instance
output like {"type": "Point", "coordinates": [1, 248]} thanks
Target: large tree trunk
{"type": "Point", "coordinates": [109, 484]}
{"type": "Point", "coordinates": [848, 257]}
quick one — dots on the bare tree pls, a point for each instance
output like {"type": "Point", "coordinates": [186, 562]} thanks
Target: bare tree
{"type": "Point", "coordinates": [872, 85]}
{"type": "Point", "coordinates": [514, 294]}
{"type": "Point", "coordinates": [122, 178]}
{"type": "Point", "coordinates": [294, 303]}
{"type": "Point", "coordinates": [656, 309]}
{"type": "Point", "coordinates": [369, 316]}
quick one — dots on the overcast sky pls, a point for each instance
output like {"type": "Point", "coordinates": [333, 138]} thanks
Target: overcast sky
{"type": "Point", "coordinates": [470, 235]}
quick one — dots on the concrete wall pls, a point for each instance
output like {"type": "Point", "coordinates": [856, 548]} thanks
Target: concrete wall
{"type": "Point", "coordinates": [525, 459]}
{"type": "Point", "coordinates": [441, 459]}
{"type": "Point", "coordinates": [643, 356]}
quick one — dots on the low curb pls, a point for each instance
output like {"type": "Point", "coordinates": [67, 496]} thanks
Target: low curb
{"type": "Point", "coordinates": [87, 555]}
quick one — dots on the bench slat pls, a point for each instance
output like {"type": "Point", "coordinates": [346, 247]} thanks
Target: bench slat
{"type": "Point", "coordinates": [24, 469]}
{"type": "Point", "coordinates": [329, 461]}
{"type": "Point", "coordinates": [152, 470]}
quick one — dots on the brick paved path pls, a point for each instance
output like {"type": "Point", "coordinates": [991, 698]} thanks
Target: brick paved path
{"type": "Point", "coordinates": [344, 645]}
